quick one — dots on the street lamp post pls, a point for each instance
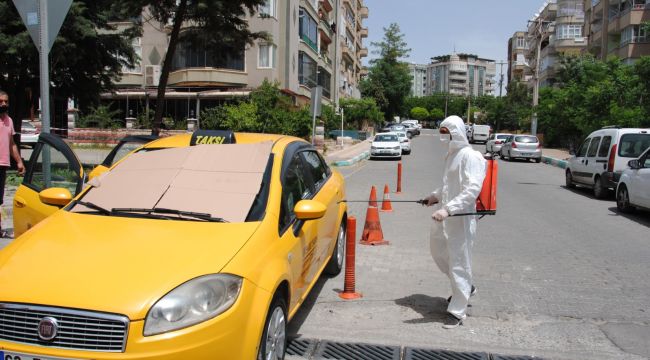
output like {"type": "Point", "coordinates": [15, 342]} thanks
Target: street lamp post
{"type": "Point", "coordinates": [540, 33]}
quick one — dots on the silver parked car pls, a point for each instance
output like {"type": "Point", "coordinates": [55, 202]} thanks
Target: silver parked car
{"type": "Point", "coordinates": [522, 147]}
{"type": "Point", "coordinates": [633, 189]}
{"type": "Point", "coordinates": [494, 143]}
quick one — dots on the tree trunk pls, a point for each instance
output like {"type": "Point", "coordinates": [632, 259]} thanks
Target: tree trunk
{"type": "Point", "coordinates": [164, 74]}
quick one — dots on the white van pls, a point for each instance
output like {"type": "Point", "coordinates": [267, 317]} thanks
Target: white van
{"type": "Point", "coordinates": [603, 156]}
{"type": "Point", "coordinates": [479, 133]}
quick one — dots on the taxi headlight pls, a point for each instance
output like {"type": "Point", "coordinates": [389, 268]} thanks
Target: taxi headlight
{"type": "Point", "coordinates": [193, 302]}
{"type": "Point", "coordinates": [396, 147]}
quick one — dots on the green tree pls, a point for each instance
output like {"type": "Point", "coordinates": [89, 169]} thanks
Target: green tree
{"type": "Point", "coordinates": [419, 113]}
{"type": "Point", "coordinates": [360, 113]}
{"type": "Point", "coordinates": [227, 18]}
{"type": "Point", "coordinates": [388, 81]}
{"type": "Point", "coordinates": [436, 114]}
{"type": "Point", "coordinates": [86, 33]}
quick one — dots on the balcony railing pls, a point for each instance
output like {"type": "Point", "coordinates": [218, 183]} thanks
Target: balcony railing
{"type": "Point", "coordinates": [363, 12]}
{"type": "Point", "coordinates": [309, 42]}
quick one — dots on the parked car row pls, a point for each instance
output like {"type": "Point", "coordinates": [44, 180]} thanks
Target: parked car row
{"type": "Point", "coordinates": [614, 159]}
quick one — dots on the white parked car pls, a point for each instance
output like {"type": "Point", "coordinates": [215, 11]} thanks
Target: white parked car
{"type": "Point", "coordinates": [404, 142]}
{"type": "Point", "coordinates": [28, 134]}
{"type": "Point", "coordinates": [386, 145]}
{"type": "Point", "coordinates": [522, 147]}
{"type": "Point", "coordinates": [633, 188]}
{"type": "Point", "coordinates": [603, 156]}
{"type": "Point", "coordinates": [495, 142]}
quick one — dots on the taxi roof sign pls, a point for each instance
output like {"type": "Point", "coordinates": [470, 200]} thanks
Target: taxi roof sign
{"type": "Point", "coordinates": [207, 137]}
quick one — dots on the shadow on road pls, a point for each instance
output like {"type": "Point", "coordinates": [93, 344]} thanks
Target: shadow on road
{"type": "Point", "coordinates": [432, 309]}
{"type": "Point", "coordinates": [588, 192]}
{"type": "Point", "coordinates": [638, 216]}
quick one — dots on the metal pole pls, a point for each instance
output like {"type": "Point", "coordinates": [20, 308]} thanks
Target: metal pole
{"type": "Point", "coordinates": [313, 127]}
{"type": "Point", "coordinates": [44, 62]}
{"type": "Point", "coordinates": [533, 120]}
{"type": "Point", "coordinates": [341, 127]}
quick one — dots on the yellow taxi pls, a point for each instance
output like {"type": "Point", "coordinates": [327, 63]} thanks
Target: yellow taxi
{"type": "Point", "coordinates": [197, 246]}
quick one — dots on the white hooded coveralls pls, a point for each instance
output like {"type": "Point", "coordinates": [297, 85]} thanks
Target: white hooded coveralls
{"type": "Point", "coordinates": [452, 239]}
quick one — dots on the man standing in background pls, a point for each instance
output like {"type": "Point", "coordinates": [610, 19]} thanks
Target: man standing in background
{"type": "Point", "coordinates": [7, 147]}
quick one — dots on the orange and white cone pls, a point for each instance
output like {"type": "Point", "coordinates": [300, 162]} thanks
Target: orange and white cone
{"type": "Point", "coordinates": [372, 234]}
{"type": "Point", "coordinates": [386, 205]}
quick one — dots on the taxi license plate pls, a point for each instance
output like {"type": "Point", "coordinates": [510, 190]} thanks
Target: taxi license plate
{"type": "Point", "coordinates": [526, 154]}
{"type": "Point", "coordinates": [4, 355]}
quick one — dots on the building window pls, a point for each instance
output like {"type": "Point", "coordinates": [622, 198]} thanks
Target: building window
{"type": "Point", "coordinates": [268, 9]}
{"type": "Point", "coordinates": [325, 80]}
{"type": "Point", "coordinates": [308, 29]}
{"type": "Point", "coordinates": [633, 34]}
{"type": "Point", "coordinates": [521, 43]}
{"type": "Point", "coordinates": [190, 55]}
{"type": "Point", "coordinates": [137, 49]}
{"type": "Point", "coordinates": [567, 31]}
{"type": "Point", "coordinates": [307, 70]}
{"type": "Point", "coordinates": [266, 59]}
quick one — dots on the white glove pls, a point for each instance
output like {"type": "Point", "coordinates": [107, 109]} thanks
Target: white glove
{"type": "Point", "coordinates": [431, 200]}
{"type": "Point", "coordinates": [440, 215]}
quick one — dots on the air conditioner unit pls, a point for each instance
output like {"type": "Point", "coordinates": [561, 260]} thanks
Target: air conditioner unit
{"type": "Point", "coordinates": [151, 75]}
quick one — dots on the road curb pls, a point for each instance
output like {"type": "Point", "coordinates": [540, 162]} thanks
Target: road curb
{"type": "Point", "coordinates": [354, 160]}
{"type": "Point", "coordinates": [554, 162]}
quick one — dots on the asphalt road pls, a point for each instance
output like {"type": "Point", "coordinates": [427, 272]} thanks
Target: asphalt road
{"type": "Point", "coordinates": [560, 274]}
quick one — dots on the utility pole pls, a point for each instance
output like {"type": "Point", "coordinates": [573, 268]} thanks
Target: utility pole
{"type": "Point", "coordinates": [501, 63]}
{"type": "Point", "coordinates": [540, 33]}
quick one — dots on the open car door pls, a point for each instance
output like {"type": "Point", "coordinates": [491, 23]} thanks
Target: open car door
{"type": "Point", "coordinates": [52, 165]}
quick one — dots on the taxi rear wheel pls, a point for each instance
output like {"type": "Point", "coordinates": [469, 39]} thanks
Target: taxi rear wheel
{"type": "Point", "coordinates": [335, 263]}
{"type": "Point", "coordinates": [274, 337]}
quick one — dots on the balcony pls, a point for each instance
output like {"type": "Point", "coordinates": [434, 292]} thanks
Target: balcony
{"type": "Point", "coordinates": [363, 12]}
{"type": "Point", "coordinates": [363, 52]}
{"type": "Point", "coordinates": [205, 76]}
{"type": "Point", "coordinates": [346, 51]}
{"type": "Point", "coordinates": [326, 34]}
{"type": "Point", "coordinates": [364, 32]}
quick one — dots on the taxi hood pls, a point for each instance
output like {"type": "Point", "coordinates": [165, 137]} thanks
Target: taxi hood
{"type": "Point", "coordinates": [113, 264]}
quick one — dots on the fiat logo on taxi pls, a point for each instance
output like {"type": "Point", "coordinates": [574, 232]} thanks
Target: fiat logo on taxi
{"type": "Point", "coordinates": [48, 327]}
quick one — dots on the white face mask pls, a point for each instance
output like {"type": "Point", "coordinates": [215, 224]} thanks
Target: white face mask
{"type": "Point", "coordinates": [445, 138]}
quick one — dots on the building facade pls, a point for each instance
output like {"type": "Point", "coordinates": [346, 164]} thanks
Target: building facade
{"type": "Point", "coordinates": [314, 42]}
{"type": "Point", "coordinates": [418, 79]}
{"type": "Point", "coordinates": [615, 28]}
{"type": "Point", "coordinates": [518, 69]}
{"type": "Point", "coordinates": [460, 74]}
{"type": "Point", "coordinates": [557, 29]}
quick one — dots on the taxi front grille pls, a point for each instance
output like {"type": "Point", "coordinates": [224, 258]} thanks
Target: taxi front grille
{"type": "Point", "coordinates": [78, 330]}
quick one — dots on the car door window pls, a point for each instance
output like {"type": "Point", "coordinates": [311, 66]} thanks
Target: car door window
{"type": "Point", "coordinates": [604, 146]}
{"type": "Point", "coordinates": [294, 188]}
{"type": "Point", "coordinates": [316, 168]}
{"type": "Point", "coordinates": [52, 169]}
{"type": "Point", "coordinates": [593, 148]}
{"type": "Point", "coordinates": [583, 149]}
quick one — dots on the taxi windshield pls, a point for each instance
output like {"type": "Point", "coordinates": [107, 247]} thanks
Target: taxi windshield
{"type": "Point", "coordinates": [386, 138]}
{"type": "Point", "coordinates": [201, 183]}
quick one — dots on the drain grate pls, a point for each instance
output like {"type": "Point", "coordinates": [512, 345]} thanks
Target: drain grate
{"type": "Point", "coordinates": [301, 347]}
{"type": "Point", "coordinates": [341, 351]}
{"type": "Point", "coordinates": [429, 354]}
{"type": "Point", "coordinates": [513, 357]}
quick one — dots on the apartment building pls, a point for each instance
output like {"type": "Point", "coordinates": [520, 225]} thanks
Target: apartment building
{"type": "Point", "coordinates": [418, 79]}
{"type": "Point", "coordinates": [556, 29]}
{"type": "Point", "coordinates": [614, 27]}
{"type": "Point", "coordinates": [518, 69]}
{"type": "Point", "coordinates": [461, 74]}
{"type": "Point", "coordinates": [308, 47]}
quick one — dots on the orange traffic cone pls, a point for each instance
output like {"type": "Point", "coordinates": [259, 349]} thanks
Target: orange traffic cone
{"type": "Point", "coordinates": [372, 234]}
{"type": "Point", "coordinates": [386, 205]}
{"type": "Point", "coordinates": [373, 197]}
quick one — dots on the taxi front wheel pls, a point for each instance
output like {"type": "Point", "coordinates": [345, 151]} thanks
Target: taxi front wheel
{"type": "Point", "coordinates": [335, 264]}
{"type": "Point", "coordinates": [274, 337]}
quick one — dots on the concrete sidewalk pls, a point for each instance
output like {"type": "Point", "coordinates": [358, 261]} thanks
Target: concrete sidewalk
{"type": "Point", "coordinates": [556, 157]}
{"type": "Point", "coordinates": [349, 155]}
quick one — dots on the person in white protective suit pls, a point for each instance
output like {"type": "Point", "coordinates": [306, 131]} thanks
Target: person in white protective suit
{"type": "Point", "coordinates": [452, 237]}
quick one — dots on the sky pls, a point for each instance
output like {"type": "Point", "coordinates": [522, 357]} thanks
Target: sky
{"type": "Point", "coordinates": [435, 27]}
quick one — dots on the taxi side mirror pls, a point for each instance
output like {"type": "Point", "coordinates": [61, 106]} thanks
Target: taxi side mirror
{"type": "Point", "coordinates": [309, 210]}
{"type": "Point", "coordinates": [98, 170]}
{"type": "Point", "coordinates": [55, 196]}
